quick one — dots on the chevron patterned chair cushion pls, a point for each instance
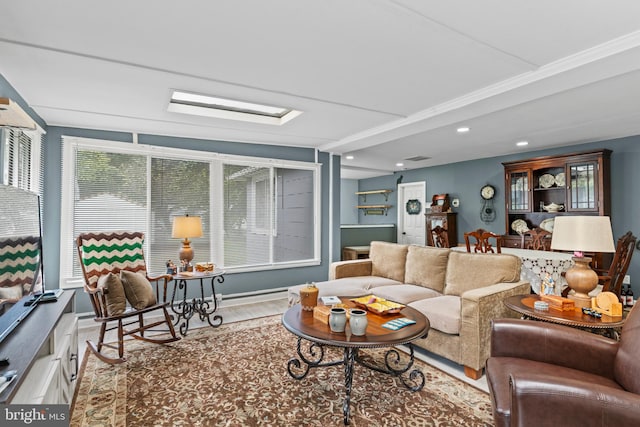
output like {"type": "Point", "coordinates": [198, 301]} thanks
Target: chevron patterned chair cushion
{"type": "Point", "coordinates": [19, 266]}
{"type": "Point", "coordinates": [104, 253]}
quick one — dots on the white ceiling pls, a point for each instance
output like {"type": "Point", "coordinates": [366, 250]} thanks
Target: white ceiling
{"type": "Point", "coordinates": [381, 80]}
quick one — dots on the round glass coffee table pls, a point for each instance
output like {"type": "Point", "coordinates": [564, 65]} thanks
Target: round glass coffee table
{"type": "Point", "coordinates": [314, 335]}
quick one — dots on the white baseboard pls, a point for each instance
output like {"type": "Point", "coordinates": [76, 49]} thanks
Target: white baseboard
{"type": "Point", "coordinates": [85, 320]}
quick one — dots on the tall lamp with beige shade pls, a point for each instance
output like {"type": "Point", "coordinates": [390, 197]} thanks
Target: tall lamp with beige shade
{"type": "Point", "coordinates": [186, 227]}
{"type": "Point", "coordinates": [582, 234]}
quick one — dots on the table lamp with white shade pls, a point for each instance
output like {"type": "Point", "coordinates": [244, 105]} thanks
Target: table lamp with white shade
{"type": "Point", "coordinates": [582, 234]}
{"type": "Point", "coordinates": [186, 227]}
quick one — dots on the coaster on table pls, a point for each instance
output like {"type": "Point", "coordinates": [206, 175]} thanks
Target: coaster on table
{"type": "Point", "coordinates": [330, 300]}
{"type": "Point", "coordinates": [396, 324]}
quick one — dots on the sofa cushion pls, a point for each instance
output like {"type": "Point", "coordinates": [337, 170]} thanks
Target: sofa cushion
{"type": "Point", "coordinates": [443, 312]}
{"type": "Point", "coordinates": [113, 293]}
{"type": "Point", "coordinates": [347, 286]}
{"type": "Point", "coordinates": [404, 294]}
{"type": "Point", "coordinates": [388, 260]}
{"type": "Point", "coordinates": [467, 271]}
{"type": "Point", "coordinates": [137, 289]}
{"type": "Point", "coordinates": [426, 266]}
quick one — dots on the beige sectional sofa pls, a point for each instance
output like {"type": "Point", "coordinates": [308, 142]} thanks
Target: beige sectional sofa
{"type": "Point", "coordinates": [459, 292]}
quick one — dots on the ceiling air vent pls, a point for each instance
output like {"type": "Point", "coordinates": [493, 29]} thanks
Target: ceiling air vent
{"type": "Point", "coordinates": [418, 158]}
{"type": "Point", "coordinates": [12, 115]}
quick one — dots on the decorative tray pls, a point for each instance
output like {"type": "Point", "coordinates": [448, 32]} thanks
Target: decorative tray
{"type": "Point", "coordinates": [378, 305]}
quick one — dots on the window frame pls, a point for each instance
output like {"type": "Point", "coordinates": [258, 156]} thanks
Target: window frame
{"type": "Point", "coordinates": [216, 161]}
{"type": "Point", "coordinates": [10, 136]}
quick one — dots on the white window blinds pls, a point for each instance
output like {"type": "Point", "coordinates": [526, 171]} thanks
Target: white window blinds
{"type": "Point", "coordinates": [255, 215]}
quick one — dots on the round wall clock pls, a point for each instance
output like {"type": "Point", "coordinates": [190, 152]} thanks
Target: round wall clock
{"type": "Point", "coordinates": [488, 213]}
{"type": "Point", "coordinates": [488, 192]}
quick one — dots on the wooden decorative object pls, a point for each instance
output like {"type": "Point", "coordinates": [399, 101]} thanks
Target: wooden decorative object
{"type": "Point", "coordinates": [321, 312]}
{"type": "Point", "coordinates": [607, 303]}
{"type": "Point", "coordinates": [440, 203]}
{"type": "Point", "coordinates": [558, 303]}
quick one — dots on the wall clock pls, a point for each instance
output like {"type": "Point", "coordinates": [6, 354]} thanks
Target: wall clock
{"type": "Point", "coordinates": [488, 213]}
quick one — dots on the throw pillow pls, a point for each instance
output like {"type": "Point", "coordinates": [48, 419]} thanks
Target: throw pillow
{"type": "Point", "coordinates": [467, 271]}
{"type": "Point", "coordinates": [388, 260]}
{"type": "Point", "coordinates": [138, 290]}
{"type": "Point", "coordinates": [113, 293]}
{"type": "Point", "coordinates": [427, 266]}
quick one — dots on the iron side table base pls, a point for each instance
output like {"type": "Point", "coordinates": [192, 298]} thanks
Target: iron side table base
{"type": "Point", "coordinates": [315, 353]}
{"type": "Point", "coordinates": [185, 309]}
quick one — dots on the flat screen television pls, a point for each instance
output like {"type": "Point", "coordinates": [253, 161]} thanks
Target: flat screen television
{"type": "Point", "coordinates": [21, 271]}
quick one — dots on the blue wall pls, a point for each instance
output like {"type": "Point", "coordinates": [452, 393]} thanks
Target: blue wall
{"type": "Point", "coordinates": [463, 180]}
{"type": "Point", "coordinates": [348, 201]}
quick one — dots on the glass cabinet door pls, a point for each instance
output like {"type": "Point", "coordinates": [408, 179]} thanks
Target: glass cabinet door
{"type": "Point", "coordinates": [519, 182]}
{"type": "Point", "coordinates": [583, 193]}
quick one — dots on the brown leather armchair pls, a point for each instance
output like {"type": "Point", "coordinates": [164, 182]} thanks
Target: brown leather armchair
{"type": "Point", "coordinates": [544, 374]}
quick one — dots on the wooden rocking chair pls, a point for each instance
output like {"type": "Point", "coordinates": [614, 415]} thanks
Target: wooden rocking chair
{"type": "Point", "coordinates": [103, 253]}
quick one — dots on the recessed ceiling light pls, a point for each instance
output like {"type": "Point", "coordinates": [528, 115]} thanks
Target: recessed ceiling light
{"type": "Point", "coordinates": [349, 157]}
{"type": "Point", "coordinates": [399, 164]}
{"type": "Point", "coordinates": [522, 143]}
{"type": "Point", "coordinates": [463, 129]}
{"type": "Point", "coordinates": [221, 108]}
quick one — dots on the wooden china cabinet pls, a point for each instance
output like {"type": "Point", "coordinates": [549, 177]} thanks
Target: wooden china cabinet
{"type": "Point", "coordinates": [539, 189]}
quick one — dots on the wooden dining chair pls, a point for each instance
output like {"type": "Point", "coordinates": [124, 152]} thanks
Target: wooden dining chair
{"type": "Point", "coordinates": [108, 260]}
{"type": "Point", "coordinates": [611, 279]}
{"type": "Point", "coordinates": [483, 241]}
{"type": "Point", "coordinates": [440, 237]}
{"type": "Point", "coordinates": [539, 240]}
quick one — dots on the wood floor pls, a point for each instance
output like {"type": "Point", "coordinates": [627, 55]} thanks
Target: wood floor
{"type": "Point", "coordinates": [247, 308]}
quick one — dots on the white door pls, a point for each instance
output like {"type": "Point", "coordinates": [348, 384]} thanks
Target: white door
{"type": "Point", "coordinates": [411, 225]}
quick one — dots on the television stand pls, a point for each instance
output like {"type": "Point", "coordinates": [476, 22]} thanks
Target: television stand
{"type": "Point", "coordinates": [43, 349]}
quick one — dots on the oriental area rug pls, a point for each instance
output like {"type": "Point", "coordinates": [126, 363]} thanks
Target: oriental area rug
{"type": "Point", "coordinates": [236, 375]}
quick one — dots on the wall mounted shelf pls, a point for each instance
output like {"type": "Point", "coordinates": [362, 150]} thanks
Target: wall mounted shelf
{"type": "Point", "coordinates": [364, 194]}
{"type": "Point", "coordinates": [374, 209]}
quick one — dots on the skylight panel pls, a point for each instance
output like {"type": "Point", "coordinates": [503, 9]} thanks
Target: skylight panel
{"type": "Point", "coordinates": [211, 106]}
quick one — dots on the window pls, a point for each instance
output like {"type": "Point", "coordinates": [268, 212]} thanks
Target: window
{"type": "Point", "coordinates": [255, 215]}
{"type": "Point", "coordinates": [21, 159]}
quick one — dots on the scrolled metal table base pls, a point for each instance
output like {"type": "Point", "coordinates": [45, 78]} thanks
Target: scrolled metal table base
{"type": "Point", "coordinates": [312, 355]}
{"type": "Point", "coordinates": [185, 309]}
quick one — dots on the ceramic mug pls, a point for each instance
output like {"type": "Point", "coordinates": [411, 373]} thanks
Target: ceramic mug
{"type": "Point", "coordinates": [337, 319]}
{"type": "Point", "coordinates": [358, 321]}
